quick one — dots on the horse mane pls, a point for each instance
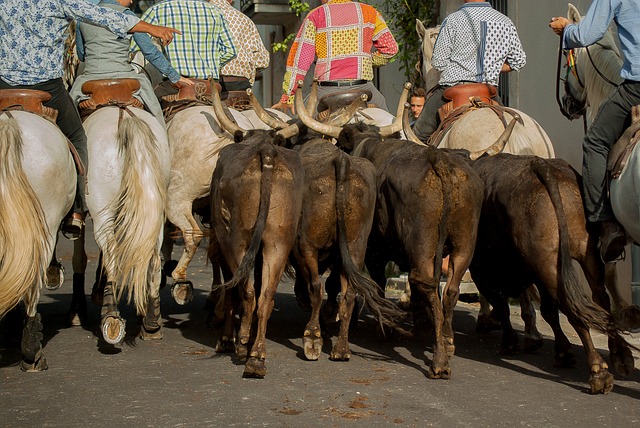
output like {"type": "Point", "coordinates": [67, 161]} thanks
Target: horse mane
{"type": "Point", "coordinates": [608, 61]}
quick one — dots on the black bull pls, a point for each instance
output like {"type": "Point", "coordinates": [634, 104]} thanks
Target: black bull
{"type": "Point", "coordinates": [531, 228]}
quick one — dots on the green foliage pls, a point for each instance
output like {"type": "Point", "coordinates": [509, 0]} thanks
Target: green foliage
{"type": "Point", "coordinates": [283, 46]}
{"type": "Point", "coordinates": [401, 17]}
{"type": "Point", "coordinates": [299, 7]}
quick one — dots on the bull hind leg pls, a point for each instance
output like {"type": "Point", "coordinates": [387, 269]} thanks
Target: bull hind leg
{"type": "Point", "coordinates": [309, 275]}
{"type": "Point", "coordinates": [532, 337]}
{"type": "Point", "coordinates": [341, 351]}
{"type": "Point", "coordinates": [564, 356]}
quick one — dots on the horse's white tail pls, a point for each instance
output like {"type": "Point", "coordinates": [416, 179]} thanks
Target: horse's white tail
{"type": "Point", "coordinates": [23, 226]}
{"type": "Point", "coordinates": [139, 206]}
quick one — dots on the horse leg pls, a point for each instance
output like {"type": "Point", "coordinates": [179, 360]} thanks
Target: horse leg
{"type": "Point", "coordinates": [78, 311]}
{"type": "Point", "coordinates": [152, 321]}
{"type": "Point", "coordinates": [182, 289]}
{"type": "Point", "coordinates": [33, 359]}
{"type": "Point", "coordinates": [628, 315]}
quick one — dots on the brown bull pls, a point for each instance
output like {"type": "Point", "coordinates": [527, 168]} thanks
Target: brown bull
{"type": "Point", "coordinates": [428, 206]}
{"type": "Point", "coordinates": [337, 214]}
{"type": "Point", "coordinates": [256, 200]}
{"type": "Point", "coordinates": [532, 226]}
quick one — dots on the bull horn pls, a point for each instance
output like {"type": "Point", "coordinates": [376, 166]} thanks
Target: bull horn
{"type": "Point", "coordinates": [226, 123]}
{"type": "Point", "coordinates": [289, 131]}
{"type": "Point", "coordinates": [408, 131]}
{"type": "Point", "coordinates": [305, 117]}
{"type": "Point", "coordinates": [345, 116]}
{"type": "Point", "coordinates": [264, 115]}
{"type": "Point", "coordinates": [312, 100]}
{"type": "Point", "coordinates": [396, 126]}
{"type": "Point", "coordinates": [500, 143]}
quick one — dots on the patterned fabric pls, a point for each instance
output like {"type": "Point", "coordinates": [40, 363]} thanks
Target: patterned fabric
{"type": "Point", "coordinates": [32, 35]}
{"type": "Point", "coordinates": [252, 54]}
{"type": "Point", "coordinates": [205, 44]}
{"type": "Point", "coordinates": [473, 44]}
{"type": "Point", "coordinates": [595, 24]}
{"type": "Point", "coordinates": [342, 34]}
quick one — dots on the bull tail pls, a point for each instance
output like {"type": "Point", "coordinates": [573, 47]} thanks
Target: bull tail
{"type": "Point", "coordinates": [241, 274]}
{"type": "Point", "coordinates": [24, 235]}
{"type": "Point", "coordinates": [385, 310]}
{"type": "Point", "coordinates": [139, 206]}
{"type": "Point", "coordinates": [581, 308]}
{"type": "Point", "coordinates": [442, 171]}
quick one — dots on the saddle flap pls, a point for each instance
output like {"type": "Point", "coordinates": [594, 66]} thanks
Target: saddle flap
{"type": "Point", "coordinates": [112, 91]}
{"type": "Point", "coordinates": [31, 100]}
{"type": "Point", "coordinates": [333, 102]}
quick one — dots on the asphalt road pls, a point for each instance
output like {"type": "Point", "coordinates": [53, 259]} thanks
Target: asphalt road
{"type": "Point", "coordinates": [181, 381]}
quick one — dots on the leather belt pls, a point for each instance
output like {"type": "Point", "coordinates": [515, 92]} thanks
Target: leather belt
{"type": "Point", "coordinates": [343, 83]}
{"type": "Point", "coordinates": [230, 79]}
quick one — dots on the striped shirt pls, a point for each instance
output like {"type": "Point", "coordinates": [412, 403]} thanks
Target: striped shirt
{"type": "Point", "coordinates": [473, 44]}
{"type": "Point", "coordinates": [595, 24]}
{"type": "Point", "coordinates": [342, 34]}
{"type": "Point", "coordinates": [33, 32]}
{"type": "Point", "coordinates": [205, 44]}
{"type": "Point", "coordinates": [252, 54]}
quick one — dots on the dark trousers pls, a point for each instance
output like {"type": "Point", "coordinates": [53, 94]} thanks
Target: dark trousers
{"type": "Point", "coordinates": [69, 123]}
{"type": "Point", "coordinates": [610, 123]}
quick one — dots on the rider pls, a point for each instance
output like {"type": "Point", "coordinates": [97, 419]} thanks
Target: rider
{"type": "Point", "coordinates": [475, 44]}
{"type": "Point", "coordinates": [106, 56]}
{"type": "Point", "coordinates": [240, 73]}
{"type": "Point", "coordinates": [204, 46]}
{"type": "Point", "coordinates": [27, 64]}
{"type": "Point", "coordinates": [342, 33]}
{"type": "Point", "coordinates": [614, 114]}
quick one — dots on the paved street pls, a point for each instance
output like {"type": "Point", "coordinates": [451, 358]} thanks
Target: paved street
{"type": "Point", "coordinates": [180, 381]}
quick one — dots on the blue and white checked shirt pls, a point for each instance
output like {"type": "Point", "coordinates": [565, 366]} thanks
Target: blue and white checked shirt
{"type": "Point", "coordinates": [33, 32]}
{"type": "Point", "coordinates": [594, 25]}
{"type": "Point", "coordinates": [473, 44]}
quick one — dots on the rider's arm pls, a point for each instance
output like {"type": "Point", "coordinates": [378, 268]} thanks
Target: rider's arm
{"type": "Point", "coordinates": [79, 43]}
{"type": "Point", "coordinates": [155, 57]}
{"type": "Point", "coordinates": [592, 27]}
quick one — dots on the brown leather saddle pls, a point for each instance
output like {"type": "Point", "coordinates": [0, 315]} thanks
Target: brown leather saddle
{"type": "Point", "coordinates": [30, 100]}
{"type": "Point", "coordinates": [466, 94]}
{"type": "Point", "coordinates": [109, 92]}
{"type": "Point", "coordinates": [200, 91]}
{"type": "Point", "coordinates": [623, 148]}
{"type": "Point", "coordinates": [238, 100]}
{"type": "Point", "coordinates": [333, 102]}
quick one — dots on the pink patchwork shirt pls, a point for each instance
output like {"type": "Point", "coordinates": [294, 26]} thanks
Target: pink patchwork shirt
{"type": "Point", "coordinates": [342, 35]}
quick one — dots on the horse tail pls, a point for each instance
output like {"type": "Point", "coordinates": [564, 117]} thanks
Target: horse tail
{"type": "Point", "coordinates": [139, 211]}
{"type": "Point", "coordinates": [24, 236]}
{"type": "Point", "coordinates": [385, 310]}
{"type": "Point", "coordinates": [580, 307]}
{"type": "Point", "coordinates": [267, 157]}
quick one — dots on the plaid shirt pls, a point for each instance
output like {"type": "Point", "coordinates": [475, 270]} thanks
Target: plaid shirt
{"type": "Point", "coordinates": [252, 54]}
{"type": "Point", "coordinates": [205, 44]}
{"type": "Point", "coordinates": [342, 34]}
{"type": "Point", "coordinates": [32, 35]}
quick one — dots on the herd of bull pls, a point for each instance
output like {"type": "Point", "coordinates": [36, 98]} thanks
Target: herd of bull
{"type": "Point", "coordinates": [340, 197]}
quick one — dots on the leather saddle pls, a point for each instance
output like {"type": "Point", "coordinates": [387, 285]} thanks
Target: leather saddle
{"type": "Point", "coordinates": [466, 94]}
{"type": "Point", "coordinates": [30, 100]}
{"type": "Point", "coordinates": [197, 92]}
{"type": "Point", "coordinates": [623, 148]}
{"type": "Point", "coordinates": [237, 100]}
{"type": "Point", "coordinates": [334, 102]}
{"type": "Point", "coordinates": [105, 92]}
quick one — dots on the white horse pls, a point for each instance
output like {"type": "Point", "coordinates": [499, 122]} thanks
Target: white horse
{"type": "Point", "coordinates": [37, 189]}
{"type": "Point", "coordinates": [592, 76]}
{"type": "Point", "coordinates": [127, 190]}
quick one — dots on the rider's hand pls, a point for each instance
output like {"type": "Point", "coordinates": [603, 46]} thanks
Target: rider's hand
{"type": "Point", "coordinates": [165, 34]}
{"type": "Point", "coordinates": [185, 82]}
{"type": "Point", "coordinates": [558, 23]}
{"type": "Point", "coordinates": [284, 107]}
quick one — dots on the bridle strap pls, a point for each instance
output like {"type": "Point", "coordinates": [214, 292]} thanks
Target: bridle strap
{"type": "Point", "coordinates": [598, 71]}
{"type": "Point", "coordinates": [558, 79]}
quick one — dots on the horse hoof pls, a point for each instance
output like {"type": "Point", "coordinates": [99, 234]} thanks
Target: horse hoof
{"type": "Point", "coordinates": [182, 292]}
{"type": "Point", "coordinates": [151, 335]}
{"type": "Point", "coordinates": [113, 329]}
{"type": "Point", "coordinates": [55, 277]}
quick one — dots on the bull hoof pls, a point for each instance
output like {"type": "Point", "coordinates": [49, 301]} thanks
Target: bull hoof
{"type": "Point", "coordinates": [55, 276]}
{"type": "Point", "coordinates": [601, 382]}
{"type": "Point", "coordinates": [242, 352]}
{"type": "Point", "coordinates": [532, 345]}
{"type": "Point", "coordinates": [312, 344]}
{"type": "Point", "coordinates": [113, 329]}
{"type": "Point", "coordinates": [225, 346]}
{"type": "Point", "coordinates": [444, 373]}
{"type": "Point", "coordinates": [151, 334]}
{"type": "Point", "coordinates": [623, 361]}
{"type": "Point", "coordinates": [565, 359]}
{"type": "Point", "coordinates": [485, 324]}
{"type": "Point", "coordinates": [39, 365]}
{"type": "Point", "coordinates": [340, 355]}
{"type": "Point", "coordinates": [630, 317]}
{"type": "Point", "coordinates": [255, 368]}
{"type": "Point", "coordinates": [182, 292]}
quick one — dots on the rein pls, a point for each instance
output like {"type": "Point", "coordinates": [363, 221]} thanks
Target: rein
{"type": "Point", "coordinates": [564, 112]}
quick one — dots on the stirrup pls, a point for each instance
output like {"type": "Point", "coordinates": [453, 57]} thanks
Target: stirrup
{"type": "Point", "coordinates": [72, 226]}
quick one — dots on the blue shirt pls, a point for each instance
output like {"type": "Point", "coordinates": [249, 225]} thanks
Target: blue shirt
{"type": "Point", "coordinates": [626, 14]}
{"type": "Point", "coordinates": [143, 40]}
{"type": "Point", "coordinates": [33, 32]}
